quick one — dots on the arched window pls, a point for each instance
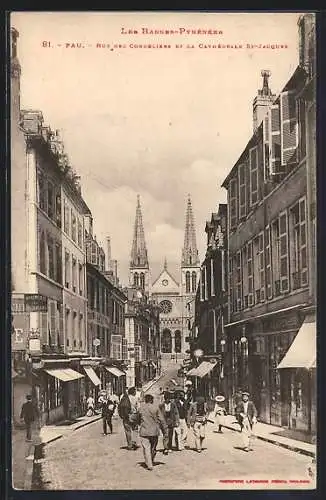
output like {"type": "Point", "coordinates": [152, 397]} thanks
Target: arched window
{"type": "Point", "coordinates": [136, 279]}
{"type": "Point", "coordinates": [187, 282]}
{"type": "Point", "coordinates": [142, 281]}
{"type": "Point", "coordinates": [193, 281]}
{"type": "Point", "coordinates": [166, 344]}
{"type": "Point", "coordinates": [42, 254]}
{"type": "Point", "coordinates": [177, 341]}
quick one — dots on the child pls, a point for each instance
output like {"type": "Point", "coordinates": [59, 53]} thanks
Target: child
{"type": "Point", "coordinates": [219, 412]}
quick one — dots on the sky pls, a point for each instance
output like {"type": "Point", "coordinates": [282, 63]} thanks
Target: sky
{"type": "Point", "coordinates": [160, 123]}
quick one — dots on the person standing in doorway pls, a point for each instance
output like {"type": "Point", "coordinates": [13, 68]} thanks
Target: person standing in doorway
{"type": "Point", "coordinates": [171, 415]}
{"type": "Point", "coordinates": [198, 419]}
{"type": "Point", "coordinates": [151, 422]}
{"type": "Point", "coordinates": [181, 431]}
{"type": "Point", "coordinates": [246, 415]}
{"type": "Point", "coordinates": [29, 414]}
{"type": "Point", "coordinates": [128, 411]}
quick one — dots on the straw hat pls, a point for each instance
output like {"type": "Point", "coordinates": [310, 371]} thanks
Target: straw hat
{"type": "Point", "coordinates": [220, 399]}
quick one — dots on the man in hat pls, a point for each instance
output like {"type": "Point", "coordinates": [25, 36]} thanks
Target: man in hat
{"type": "Point", "coordinates": [246, 415]}
{"type": "Point", "coordinates": [181, 431]}
{"type": "Point", "coordinates": [29, 413]}
{"type": "Point", "coordinates": [219, 412]}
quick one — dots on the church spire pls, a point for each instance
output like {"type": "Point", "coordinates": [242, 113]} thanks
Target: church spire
{"type": "Point", "coordinates": [189, 252]}
{"type": "Point", "coordinates": [139, 256]}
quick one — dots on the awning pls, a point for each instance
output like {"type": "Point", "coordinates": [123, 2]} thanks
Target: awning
{"type": "Point", "coordinates": [115, 371]}
{"type": "Point", "coordinates": [302, 351]}
{"type": "Point", "coordinates": [203, 369]}
{"type": "Point", "coordinates": [64, 374]}
{"type": "Point", "coordinates": [92, 375]}
{"type": "Point", "coordinates": [153, 364]}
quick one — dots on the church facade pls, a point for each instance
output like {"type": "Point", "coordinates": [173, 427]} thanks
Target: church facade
{"type": "Point", "coordinates": [175, 297]}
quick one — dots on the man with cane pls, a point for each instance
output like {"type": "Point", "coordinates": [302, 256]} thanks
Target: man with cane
{"type": "Point", "coordinates": [246, 415]}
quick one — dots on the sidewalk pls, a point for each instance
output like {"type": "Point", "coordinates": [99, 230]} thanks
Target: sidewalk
{"type": "Point", "coordinates": [22, 459]}
{"type": "Point", "coordinates": [50, 433]}
{"type": "Point", "coordinates": [268, 432]}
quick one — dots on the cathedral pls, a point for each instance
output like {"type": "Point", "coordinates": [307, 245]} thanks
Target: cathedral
{"type": "Point", "coordinates": [176, 297]}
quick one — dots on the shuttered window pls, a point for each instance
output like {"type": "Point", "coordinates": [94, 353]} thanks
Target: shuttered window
{"type": "Point", "coordinates": [245, 276]}
{"type": "Point", "coordinates": [268, 263]}
{"type": "Point", "coordinates": [138, 353]}
{"type": "Point", "coordinates": [242, 190]}
{"type": "Point", "coordinates": [231, 287]}
{"type": "Point", "coordinates": [116, 346]}
{"type": "Point", "coordinates": [274, 140]}
{"type": "Point", "coordinates": [250, 274]}
{"type": "Point", "coordinates": [266, 147]}
{"type": "Point", "coordinates": [42, 253]}
{"type": "Point", "coordinates": [302, 146]}
{"type": "Point", "coordinates": [233, 202]}
{"type": "Point", "coordinates": [239, 281]}
{"type": "Point", "coordinates": [52, 323]}
{"type": "Point", "coordinates": [289, 132]}
{"type": "Point", "coordinates": [284, 252]}
{"type": "Point", "coordinates": [253, 165]}
{"type": "Point", "coordinates": [261, 266]}
{"type": "Point", "coordinates": [124, 349]}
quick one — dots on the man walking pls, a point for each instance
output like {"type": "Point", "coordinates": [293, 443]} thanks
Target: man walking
{"type": "Point", "coordinates": [128, 411]}
{"type": "Point", "coordinates": [108, 407]}
{"type": "Point", "coordinates": [151, 422]}
{"type": "Point", "coordinates": [28, 414]}
{"type": "Point", "coordinates": [246, 415]}
{"type": "Point", "coordinates": [182, 430]}
{"type": "Point", "coordinates": [171, 416]}
{"type": "Point", "coordinates": [198, 418]}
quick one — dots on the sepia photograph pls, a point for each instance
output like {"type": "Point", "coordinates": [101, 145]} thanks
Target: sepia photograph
{"type": "Point", "coordinates": [163, 250]}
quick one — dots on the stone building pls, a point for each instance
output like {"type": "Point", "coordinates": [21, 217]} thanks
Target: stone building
{"type": "Point", "coordinates": [271, 328]}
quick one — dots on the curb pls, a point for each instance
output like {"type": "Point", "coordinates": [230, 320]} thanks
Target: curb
{"type": "Point", "coordinates": [277, 443]}
{"type": "Point", "coordinates": [28, 476]}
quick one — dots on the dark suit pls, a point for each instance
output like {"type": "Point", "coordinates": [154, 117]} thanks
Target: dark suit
{"type": "Point", "coordinates": [251, 412]}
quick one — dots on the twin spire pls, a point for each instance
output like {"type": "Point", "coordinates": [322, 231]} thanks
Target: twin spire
{"type": "Point", "coordinates": [139, 257]}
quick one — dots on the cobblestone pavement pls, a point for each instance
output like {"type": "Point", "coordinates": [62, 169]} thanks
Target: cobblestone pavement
{"type": "Point", "coordinates": [85, 459]}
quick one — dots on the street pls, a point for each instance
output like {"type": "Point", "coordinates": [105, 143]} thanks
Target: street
{"type": "Point", "coordinates": [85, 459]}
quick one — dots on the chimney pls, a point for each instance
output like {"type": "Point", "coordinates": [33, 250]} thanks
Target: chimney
{"type": "Point", "coordinates": [263, 100]}
{"type": "Point", "coordinates": [108, 254]}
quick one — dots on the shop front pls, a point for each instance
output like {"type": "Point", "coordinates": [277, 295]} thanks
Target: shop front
{"type": "Point", "coordinates": [91, 370]}
{"type": "Point", "coordinates": [206, 378]}
{"type": "Point", "coordinates": [116, 381]}
{"type": "Point", "coordinates": [60, 391]}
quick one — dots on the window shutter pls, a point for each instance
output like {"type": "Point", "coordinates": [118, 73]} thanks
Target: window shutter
{"type": "Point", "coordinates": [124, 348]}
{"type": "Point", "coordinates": [242, 190]}
{"type": "Point", "coordinates": [283, 249]}
{"type": "Point", "coordinates": [266, 147]}
{"type": "Point", "coordinates": [274, 140]}
{"type": "Point", "coordinates": [262, 267]}
{"type": "Point", "coordinates": [138, 353]}
{"type": "Point", "coordinates": [268, 263]}
{"type": "Point", "coordinates": [233, 194]}
{"type": "Point", "coordinates": [289, 127]}
{"type": "Point", "coordinates": [250, 275]}
{"type": "Point", "coordinates": [253, 164]}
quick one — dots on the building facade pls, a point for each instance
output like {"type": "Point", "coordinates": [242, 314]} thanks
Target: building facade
{"type": "Point", "coordinates": [271, 328]}
{"type": "Point", "coordinates": [211, 308]}
{"type": "Point", "coordinates": [142, 332]}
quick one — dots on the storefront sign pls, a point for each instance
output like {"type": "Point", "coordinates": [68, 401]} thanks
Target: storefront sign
{"type": "Point", "coordinates": [281, 324]}
{"type": "Point", "coordinates": [35, 302]}
{"type": "Point", "coordinates": [34, 345]}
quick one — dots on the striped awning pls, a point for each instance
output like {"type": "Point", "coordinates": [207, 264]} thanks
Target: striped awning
{"type": "Point", "coordinates": [92, 375]}
{"type": "Point", "coordinates": [202, 370]}
{"type": "Point", "coordinates": [302, 351]}
{"type": "Point", "coordinates": [115, 371]}
{"type": "Point", "coordinates": [64, 374]}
